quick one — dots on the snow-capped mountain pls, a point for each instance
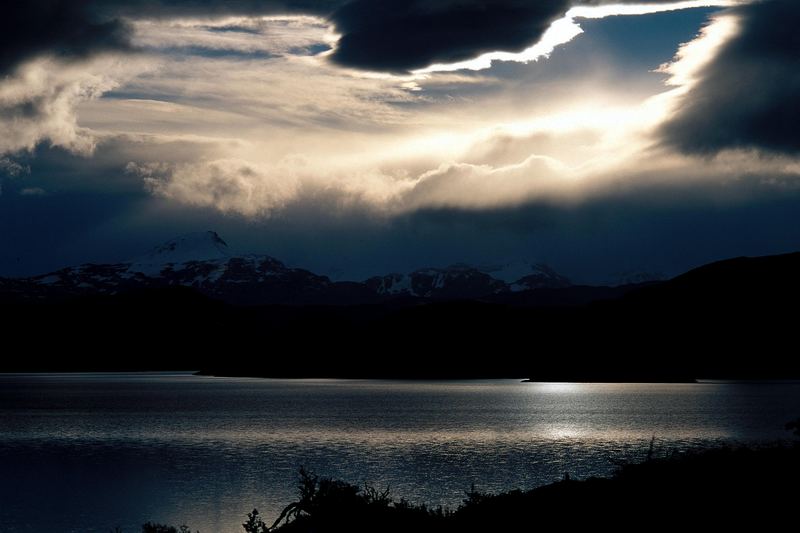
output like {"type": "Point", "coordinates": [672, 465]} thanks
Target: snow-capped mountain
{"type": "Point", "coordinates": [464, 281]}
{"type": "Point", "coordinates": [457, 281]}
{"type": "Point", "coordinates": [193, 247]}
{"type": "Point", "coordinates": [203, 261]}
{"type": "Point", "coordinates": [523, 276]}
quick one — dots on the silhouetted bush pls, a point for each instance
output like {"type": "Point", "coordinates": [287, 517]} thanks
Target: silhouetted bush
{"type": "Point", "coordinates": [254, 523]}
{"type": "Point", "coordinates": [331, 505]}
{"type": "Point", "coordinates": [716, 489]}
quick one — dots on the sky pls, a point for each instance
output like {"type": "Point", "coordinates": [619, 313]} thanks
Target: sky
{"type": "Point", "coordinates": [360, 137]}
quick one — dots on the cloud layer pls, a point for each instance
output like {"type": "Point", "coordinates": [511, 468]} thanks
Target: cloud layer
{"type": "Point", "coordinates": [383, 35]}
{"type": "Point", "coordinates": [37, 102]}
{"type": "Point", "coordinates": [80, 28]}
{"type": "Point", "coordinates": [746, 97]}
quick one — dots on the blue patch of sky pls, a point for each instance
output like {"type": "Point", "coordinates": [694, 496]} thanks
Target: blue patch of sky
{"type": "Point", "coordinates": [625, 48]}
{"type": "Point", "coordinates": [311, 50]}
{"type": "Point", "coordinates": [644, 41]}
{"type": "Point", "coordinates": [625, 44]}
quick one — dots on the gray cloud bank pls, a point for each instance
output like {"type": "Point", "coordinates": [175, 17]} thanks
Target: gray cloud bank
{"type": "Point", "coordinates": [748, 96]}
{"type": "Point", "coordinates": [409, 34]}
{"type": "Point", "coordinates": [68, 28]}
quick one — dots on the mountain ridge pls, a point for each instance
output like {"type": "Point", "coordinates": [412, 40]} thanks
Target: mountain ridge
{"type": "Point", "coordinates": [204, 261]}
{"type": "Point", "coordinates": [731, 319]}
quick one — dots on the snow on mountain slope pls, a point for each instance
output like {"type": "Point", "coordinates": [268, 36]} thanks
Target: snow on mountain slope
{"type": "Point", "coordinates": [464, 281]}
{"type": "Point", "coordinates": [522, 276]}
{"type": "Point", "coordinates": [509, 272]}
{"type": "Point", "coordinates": [193, 247]}
{"type": "Point", "coordinates": [203, 261]}
{"type": "Point", "coordinates": [457, 281]}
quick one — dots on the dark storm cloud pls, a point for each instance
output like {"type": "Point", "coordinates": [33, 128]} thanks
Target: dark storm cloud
{"type": "Point", "coordinates": [747, 97]}
{"type": "Point", "coordinates": [77, 28]}
{"type": "Point", "coordinates": [402, 35]}
{"type": "Point", "coordinates": [62, 27]}
{"type": "Point", "coordinates": [407, 34]}
{"type": "Point", "coordinates": [388, 35]}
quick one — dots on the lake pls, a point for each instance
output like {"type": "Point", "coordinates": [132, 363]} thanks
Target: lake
{"type": "Point", "coordinates": [89, 452]}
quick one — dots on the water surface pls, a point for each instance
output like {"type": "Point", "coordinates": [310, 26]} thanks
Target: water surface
{"type": "Point", "coordinates": [87, 452]}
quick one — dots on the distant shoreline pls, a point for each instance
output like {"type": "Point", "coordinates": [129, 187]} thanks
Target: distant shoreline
{"type": "Point", "coordinates": [517, 379]}
{"type": "Point", "coordinates": [456, 377]}
{"type": "Point", "coordinates": [610, 380]}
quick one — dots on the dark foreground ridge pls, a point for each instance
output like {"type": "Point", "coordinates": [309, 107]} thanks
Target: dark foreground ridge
{"type": "Point", "coordinates": [721, 488]}
{"type": "Point", "coordinates": [731, 319]}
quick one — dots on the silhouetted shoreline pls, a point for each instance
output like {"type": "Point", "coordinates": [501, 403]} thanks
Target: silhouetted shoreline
{"type": "Point", "coordinates": [720, 487]}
